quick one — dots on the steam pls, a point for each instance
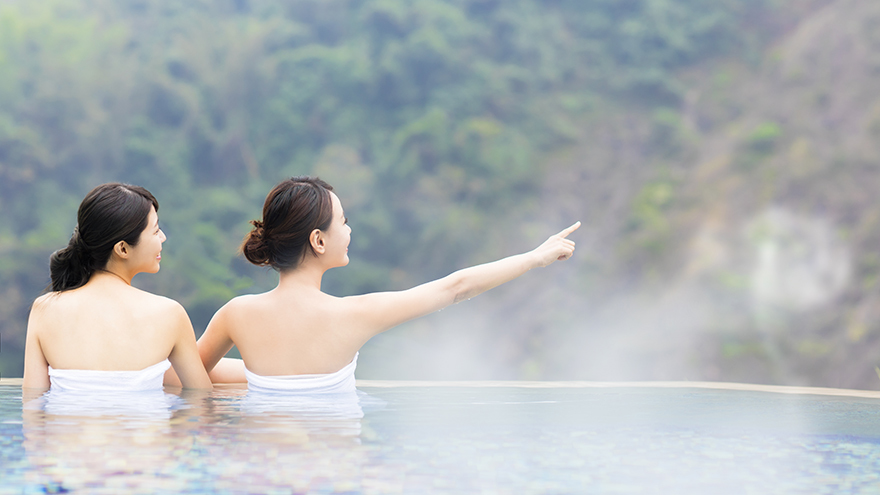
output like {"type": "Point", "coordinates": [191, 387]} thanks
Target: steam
{"type": "Point", "coordinates": [738, 280]}
{"type": "Point", "coordinates": [799, 263]}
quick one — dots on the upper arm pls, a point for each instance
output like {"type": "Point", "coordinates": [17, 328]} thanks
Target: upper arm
{"type": "Point", "coordinates": [36, 368]}
{"type": "Point", "coordinates": [184, 355]}
{"type": "Point", "coordinates": [380, 311]}
{"type": "Point", "coordinates": [215, 342]}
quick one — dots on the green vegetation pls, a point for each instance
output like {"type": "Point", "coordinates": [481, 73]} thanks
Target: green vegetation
{"type": "Point", "coordinates": [433, 119]}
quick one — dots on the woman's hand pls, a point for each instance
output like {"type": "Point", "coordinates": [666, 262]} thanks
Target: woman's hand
{"type": "Point", "coordinates": [557, 247]}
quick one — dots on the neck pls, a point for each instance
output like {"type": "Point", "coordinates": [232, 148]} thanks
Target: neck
{"type": "Point", "coordinates": [306, 275]}
{"type": "Point", "coordinates": [118, 268]}
{"type": "Point", "coordinates": [113, 273]}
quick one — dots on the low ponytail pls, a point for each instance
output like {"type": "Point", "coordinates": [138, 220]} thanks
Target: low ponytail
{"type": "Point", "coordinates": [69, 267]}
{"type": "Point", "coordinates": [108, 214]}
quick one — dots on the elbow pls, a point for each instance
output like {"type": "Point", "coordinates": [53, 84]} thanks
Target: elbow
{"type": "Point", "coordinates": [460, 290]}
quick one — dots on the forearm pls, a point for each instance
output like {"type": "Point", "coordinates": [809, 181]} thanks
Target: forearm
{"type": "Point", "coordinates": [228, 370]}
{"type": "Point", "coordinates": [475, 280]}
{"type": "Point", "coordinates": [214, 342]}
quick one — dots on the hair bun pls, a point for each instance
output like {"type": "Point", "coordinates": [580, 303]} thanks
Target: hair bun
{"type": "Point", "coordinates": [255, 248]}
{"type": "Point", "coordinates": [292, 211]}
{"type": "Point", "coordinates": [259, 229]}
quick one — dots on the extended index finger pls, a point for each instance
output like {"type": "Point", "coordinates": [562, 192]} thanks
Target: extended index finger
{"type": "Point", "coordinates": [569, 230]}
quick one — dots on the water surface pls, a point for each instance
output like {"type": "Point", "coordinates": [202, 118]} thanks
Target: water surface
{"type": "Point", "coordinates": [447, 439]}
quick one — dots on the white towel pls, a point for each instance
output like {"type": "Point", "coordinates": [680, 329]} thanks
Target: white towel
{"type": "Point", "coordinates": [339, 382]}
{"type": "Point", "coordinates": [149, 378]}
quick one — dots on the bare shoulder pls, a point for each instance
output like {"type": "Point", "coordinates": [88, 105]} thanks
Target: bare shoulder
{"type": "Point", "coordinates": [373, 301]}
{"type": "Point", "coordinates": [245, 300]}
{"type": "Point", "coordinates": [234, 313]}
{"type": "Point", "coordinates": [361, 308]}
{"type": "Point", "coordinates": [239, 304]}
{"type": "Point", "coordinates": [51, 305]}
{"type": "Point", "coordinates": [42, 314]}
{"type": "Point", "coordinates": [43, 302]}
{"type": "Point", "coordinates": [163, 302]}
{"type": "Point", "coordinates": [354, 303]}
{"type": "Point", "coordinates": [161, 305]}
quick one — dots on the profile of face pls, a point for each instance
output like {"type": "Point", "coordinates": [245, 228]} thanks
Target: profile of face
{"type": "Point", "coordinates": [337, 236]}
{"type": "Point", "coordinates": [146, 255]}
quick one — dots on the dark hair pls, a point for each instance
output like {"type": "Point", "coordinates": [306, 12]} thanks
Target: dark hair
{"type": "Point", "coordinates": [108, 214]}
{"type": "Point", "coordinates": [293, 209]}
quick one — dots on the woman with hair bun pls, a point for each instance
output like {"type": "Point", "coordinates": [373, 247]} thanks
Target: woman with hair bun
{"type": "Point", "coordinates": [94, 331]}
{"type": "Point", "coordinates": [298, 338]}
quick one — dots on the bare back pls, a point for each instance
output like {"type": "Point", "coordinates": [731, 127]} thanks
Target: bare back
{"type": "Point", "coordinates": [107, 325]}
{"type": "Point", "coordinates": [104, 328]}
{"type": "Point", "coordinates": [280, 335]}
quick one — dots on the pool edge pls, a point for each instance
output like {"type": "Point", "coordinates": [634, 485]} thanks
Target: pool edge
{"type": "Point", "coordinates": [750, 387]}
{"type": "Point", "coordinates": [779, 389]}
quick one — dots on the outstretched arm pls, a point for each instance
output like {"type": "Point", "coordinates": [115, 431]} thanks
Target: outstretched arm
{"type": "Point", "coordinates": [380, 311]}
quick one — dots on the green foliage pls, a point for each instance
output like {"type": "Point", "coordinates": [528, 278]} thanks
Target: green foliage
{"type": "Point", "coordinates": [667, 132]}
{"type": "Point", "coordinates": [428, 115]}
{"type": "Point", "coordinates": [763, 139]}
{"type": "Point", "coordinates": [649, 222]}
{"type": "Point", "coordinates": [759, 145]}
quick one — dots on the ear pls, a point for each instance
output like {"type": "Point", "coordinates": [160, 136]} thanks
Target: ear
{"type": "Point", "coordinates": [316, 239]}
{"type": "Point", "coordinates": [121, 249]}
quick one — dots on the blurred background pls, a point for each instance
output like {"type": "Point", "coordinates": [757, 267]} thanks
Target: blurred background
{"type": "Point", "coordinates": [721, 155]}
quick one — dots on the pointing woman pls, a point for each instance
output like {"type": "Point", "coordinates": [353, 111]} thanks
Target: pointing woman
{"type": "Point", "coordinates": [298, 338]}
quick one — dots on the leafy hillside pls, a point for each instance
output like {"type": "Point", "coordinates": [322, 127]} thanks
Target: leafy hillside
{"type": "Point", "coordinates": [733, 237]}
{"type": "Point", "coordinates": [718, 152]}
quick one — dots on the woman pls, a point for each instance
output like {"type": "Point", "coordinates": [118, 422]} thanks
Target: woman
{"type": "Point", "coordinates": [296, 337]}
{"type": "Point", "coordinates": [94, 331]}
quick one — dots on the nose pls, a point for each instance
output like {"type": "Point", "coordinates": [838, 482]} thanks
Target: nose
{"type": "Point", "coordinates": [162, 235]}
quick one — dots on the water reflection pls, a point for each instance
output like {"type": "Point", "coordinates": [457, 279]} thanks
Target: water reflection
{"type": "Point", "coordinates": [449, 440]}
{"type": "Point", "coordinates": [303, 443]}
{"type": "Point", "coordinates": [106, 443]}
{"type": "Point", "coordinates": [145, 405]}
{"type": "Point", "coordinates": [331, 413]}
{"type": "Point", "coordinates": [230, 440]}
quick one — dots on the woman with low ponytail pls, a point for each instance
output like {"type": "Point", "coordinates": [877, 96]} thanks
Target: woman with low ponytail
{"type": "Point", "coordinates": [93, 330]}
